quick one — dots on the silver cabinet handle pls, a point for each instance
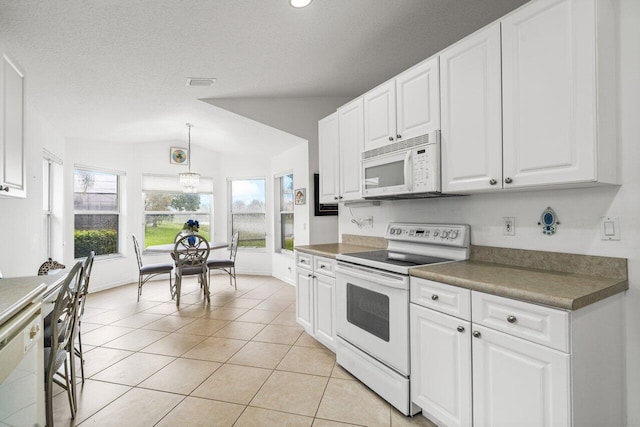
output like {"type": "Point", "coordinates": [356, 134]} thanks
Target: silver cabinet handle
{"type": "Point", "coordinates": [4, 188]}
{"type": "Point", "coordinates": [476, 334]}
{"type": "Point", "coordinates": [508, 180]}
{"type": "Point", "coordinates": [434, 297]}
{"type": "Point", "coordinates": [302, 261]}
{"type": "Point", "coordinates": [493, 181]}
{"type": "Point", "coordinates": [309, 276]}
{"type": "Point", "coordinates": [335, 197]}
{"type": "Point", "coordinates": [323, 266]}
{"type": "Point", "coordinates": [512, 319]}
{"type": "Point", "coordinates": [398, 136]}
{"type": "Point", "coordinates": [390, 138]}
{"type": "Point", "coordinates": [460, 329]}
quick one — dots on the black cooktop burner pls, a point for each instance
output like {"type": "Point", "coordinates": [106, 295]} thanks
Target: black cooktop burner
{"type": "Point", "coordinates": [398, 258]}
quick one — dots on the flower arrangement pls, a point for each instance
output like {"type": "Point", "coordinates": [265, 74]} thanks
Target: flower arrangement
{"type": "Point", "coordinates": [191, 225]}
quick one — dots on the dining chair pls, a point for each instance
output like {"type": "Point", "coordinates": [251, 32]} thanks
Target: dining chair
{"type": "Point", "coordinates": [228, 265]}
{"type": "Point", "coordinates": [149, 271]}
{"type": "Point", "coordinates": [58, 342]}
{"type": "Point", "coordinates": [191, 260]}
{"type": "Point", "coordinates": [87, 266]}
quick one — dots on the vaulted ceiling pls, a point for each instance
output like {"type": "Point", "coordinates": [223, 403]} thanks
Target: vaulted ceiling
{"type": "Point", "coordinates": [116, 70]}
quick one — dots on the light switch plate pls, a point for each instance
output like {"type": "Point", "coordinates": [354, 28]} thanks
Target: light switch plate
{"type": "Point", "coordinates": [609, 228]}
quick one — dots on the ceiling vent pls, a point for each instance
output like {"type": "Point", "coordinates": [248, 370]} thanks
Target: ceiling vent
{"type": "Point", "coordinates": [200, 81]}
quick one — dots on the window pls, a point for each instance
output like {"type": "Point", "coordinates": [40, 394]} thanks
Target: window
{"type": "Point", "coordinates": [247, 211]}
{"type": "Point", "coordinates": [96, 205]}
{"type": "Point", "coordinates": [167, 208]}
{"type": "Point", "coordinates": [285, 207]}
{"type": "Point", "coordinates": [52, 205]}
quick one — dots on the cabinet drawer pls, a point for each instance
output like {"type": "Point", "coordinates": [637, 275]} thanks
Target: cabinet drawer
{"type": "Point", "coordinates": [326, 266]}
{"type": "Point", "coordinates": [304, 260]}
{"type": "Point", "coordinates": [536, 323]}
{"type": "Point", "coordinates": [444, 298]}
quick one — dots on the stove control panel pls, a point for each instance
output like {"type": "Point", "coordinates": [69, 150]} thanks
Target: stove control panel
{"type": "Point", "coordinates": [439, 234]}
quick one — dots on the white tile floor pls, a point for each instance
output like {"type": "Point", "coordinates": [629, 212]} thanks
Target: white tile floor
{"type": "Point", "coordinates": [241, 361]}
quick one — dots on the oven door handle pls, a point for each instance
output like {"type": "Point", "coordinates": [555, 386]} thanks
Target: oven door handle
{"type": "Point", "coordinates": [379, 278]}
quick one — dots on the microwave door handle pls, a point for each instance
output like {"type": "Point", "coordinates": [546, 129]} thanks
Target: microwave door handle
{"type": "Point", "coordinates": [407, 170]}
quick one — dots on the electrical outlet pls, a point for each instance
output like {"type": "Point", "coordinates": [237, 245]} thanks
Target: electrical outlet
{"type": "Point", "coordinates": [509, 226]}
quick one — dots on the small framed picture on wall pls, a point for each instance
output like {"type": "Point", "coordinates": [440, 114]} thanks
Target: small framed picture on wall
{"type": "Point", "coordinates": [300, 196]}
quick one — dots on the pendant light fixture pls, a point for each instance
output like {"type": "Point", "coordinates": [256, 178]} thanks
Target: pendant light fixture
{"type": "Point", "coordinates": [189, 180]}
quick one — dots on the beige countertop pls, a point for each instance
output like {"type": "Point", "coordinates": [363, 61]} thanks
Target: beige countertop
{"type": "Point", "coordinates": [330, 250]}
{"type": "Point", "coordinates": [565, 290]}
{"type": "Point", "coordinates": [18, 292]}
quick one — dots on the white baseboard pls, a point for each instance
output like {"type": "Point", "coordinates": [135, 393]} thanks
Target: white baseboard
{"type": "Point", "coordinates": [285, 279]}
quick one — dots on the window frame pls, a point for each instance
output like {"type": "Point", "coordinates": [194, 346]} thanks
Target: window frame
{"type": "Point", "coordinates": [119, 178]}
{"type": "Point", "coordinates": [230, 212]}
{"type": "Point", "coordinates": [279, 225]}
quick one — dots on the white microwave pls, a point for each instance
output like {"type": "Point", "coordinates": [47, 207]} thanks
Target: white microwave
{"type": "Point", "coordinates": [408, 169]}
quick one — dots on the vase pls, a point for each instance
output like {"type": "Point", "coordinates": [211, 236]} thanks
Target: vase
{"type": "Point", "coordinates": [191, 240]}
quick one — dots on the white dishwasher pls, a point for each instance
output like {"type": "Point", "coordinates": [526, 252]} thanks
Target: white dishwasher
{"type": "Point", "coordinates": [22, 369]}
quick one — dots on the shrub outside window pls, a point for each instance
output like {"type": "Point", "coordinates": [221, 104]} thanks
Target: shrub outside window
{"type": "Point", "coordinates": [247, 212]}
{"type": "Point", "coordinates": [96, 212]}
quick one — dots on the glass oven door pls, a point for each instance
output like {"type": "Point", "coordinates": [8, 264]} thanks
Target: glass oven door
{"type": "Point", "coordinates": [373, 313]}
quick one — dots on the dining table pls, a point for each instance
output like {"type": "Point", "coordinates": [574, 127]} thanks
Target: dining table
{"type": "Point", "coordinates": [169, 247]}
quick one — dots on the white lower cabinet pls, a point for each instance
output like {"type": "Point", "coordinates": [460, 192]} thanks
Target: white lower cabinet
{"type": "Point", "coordinates": [441, 366]}
{"type": "Point", "coordinates": [304, 299]}
{"type": "Point", "coordinates": [514, 363]}
{"type": "Point", "coordinates": [517, 382]}
{"type": "Point", "coordinates": [315, 297]}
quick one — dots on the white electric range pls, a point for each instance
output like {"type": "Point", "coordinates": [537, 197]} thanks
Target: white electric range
{"type": "Point", "coordinates": [372, 300]}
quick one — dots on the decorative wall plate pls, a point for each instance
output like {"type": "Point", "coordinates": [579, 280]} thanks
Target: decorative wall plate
{"type": "Point", "coordinates": [179, 156]}
{"type": "Point", "coordinates": [549, 221]}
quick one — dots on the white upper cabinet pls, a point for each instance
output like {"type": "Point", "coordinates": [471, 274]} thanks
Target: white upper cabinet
{"type": "Point", "coordinates": [530, 101]}
{"type": "Point", "coordinates": [12, 159]}
{"type": "Point", "coordinates": [329, 158]}
{"type": "Point", "coordinates": [350, 118]}
{"type": "Point", "coordinates": [404, 107]}
{"type": "Point", "coordinates": [380, 116]}
{"type": "Point", "coordinates": [418, 100]}
{"type": "Point", "coordinates": [471, 138]}
{"type": "Point", "coordinates": [552, 80]}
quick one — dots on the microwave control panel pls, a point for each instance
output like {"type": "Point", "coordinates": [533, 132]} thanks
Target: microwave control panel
{"type": "Point", "coordinates": [425, 168]}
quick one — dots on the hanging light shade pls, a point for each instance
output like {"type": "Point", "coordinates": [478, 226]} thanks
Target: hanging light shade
{"type": "Point", "coordinates": [189, 180]}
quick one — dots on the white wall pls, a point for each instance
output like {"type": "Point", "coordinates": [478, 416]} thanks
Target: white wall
{"type": "Point", "coordinates": [295, 160]}
{"type": "Point", "coordinates": [21, 220]}
{"type": "Point", "coordinates": [579, 211]}
{"type": "Point", "coordinates": [296, 116]}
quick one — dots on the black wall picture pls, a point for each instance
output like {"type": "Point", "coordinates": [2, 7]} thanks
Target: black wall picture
{"type": "Point", "coordinates": [319, 208]}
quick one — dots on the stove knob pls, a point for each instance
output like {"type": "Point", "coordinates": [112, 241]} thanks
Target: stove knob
{"type": "Point", "coordinates": [444, 234]}
{"type": "Point", "coordinates": [435, 233]}
{"type": "Point", "coordinates": [454, 234]}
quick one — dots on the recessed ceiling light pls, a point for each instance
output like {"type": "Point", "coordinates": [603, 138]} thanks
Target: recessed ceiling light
{"type": "Point", "coordinates": [200, 81]}
{"type": "Point", "coordinates": [299, 3]}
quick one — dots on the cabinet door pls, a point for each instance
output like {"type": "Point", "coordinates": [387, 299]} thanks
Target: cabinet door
{"type": "Point", "coordinates": [471, 141]}
{"type": "Point", "coordinates": [304, 299]}
{"type": "Point", "coordinates": [418, 100]}
{"type": "Point", "coordinates": [325, 297]}
{"type": "Point", "coordinates": [351, 143]}
{"type": "Point", "coordinates": [441, 366]}
{"type": "Point", "coordinates": [548, 68]}
{"type": "Point", "coordinates": [518, 383]}
{"type": "Point", "coordinates": [380, 116]}
{"type": "Point", "coordinates": [329, 158]}
{"type": "Point", "coordinates": [12, 167]}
